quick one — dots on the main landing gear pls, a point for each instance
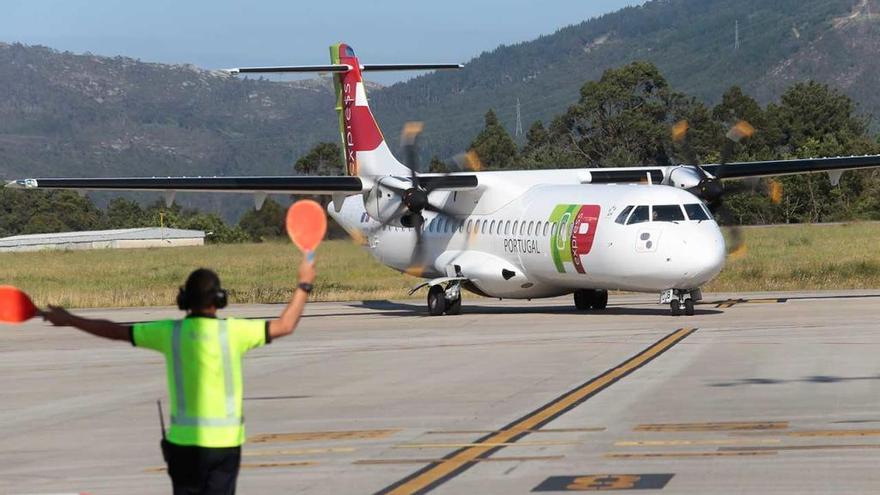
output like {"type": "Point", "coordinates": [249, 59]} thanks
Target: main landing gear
{"type": "Point", "coordinates": [681, 301]}
{"type": "Point", "coordinates": [585, 299]}
{"type": "Point", "coordinates": [446, 300]}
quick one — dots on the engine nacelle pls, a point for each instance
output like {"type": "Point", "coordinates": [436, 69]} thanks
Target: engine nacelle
{"type": "Point", "coordinates": [685, 177]}
{"type": "Point", "coordinates": [384, 203]}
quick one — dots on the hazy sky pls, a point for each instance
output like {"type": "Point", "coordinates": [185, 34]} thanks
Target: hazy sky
{"type": "Point", "coordinates": [231, 33]}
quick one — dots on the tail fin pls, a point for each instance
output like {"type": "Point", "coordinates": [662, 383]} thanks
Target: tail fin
{"type": "Point", "coordinates": [365, 149]}
{"type": "Point", "coordinates": [364, 146]}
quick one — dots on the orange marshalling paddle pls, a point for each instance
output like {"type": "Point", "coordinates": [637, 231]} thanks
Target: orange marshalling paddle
{"type": "Point", "coordinates": [15, 305]}
{"type": "Point", "coordinates": [306, 226]}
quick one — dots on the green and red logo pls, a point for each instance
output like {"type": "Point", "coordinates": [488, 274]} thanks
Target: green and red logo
{"type": "Point", "coordinates": [573, 235]}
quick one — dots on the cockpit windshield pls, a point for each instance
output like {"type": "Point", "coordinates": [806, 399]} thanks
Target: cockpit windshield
{"type": "Point", "coordinates": [663, 213]}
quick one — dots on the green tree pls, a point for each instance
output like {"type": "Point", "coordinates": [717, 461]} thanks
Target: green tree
{"type": "Point", "coordinates": [622, 119]}
{"type": "Point", "coordinates": [265, 223]}
{"type": "Point", "coordinates": [322, 159]}
{"type": "Point", "coordinates": [493, 144]}
{"type": "Point", "coordinates": [122, 213]}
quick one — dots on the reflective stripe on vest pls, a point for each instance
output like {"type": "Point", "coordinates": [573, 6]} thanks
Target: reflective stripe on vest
{"type": "Point", "coordinates": [179, 416]}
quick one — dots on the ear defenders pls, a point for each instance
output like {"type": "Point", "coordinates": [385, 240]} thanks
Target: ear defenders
{"type": "Point", "coordinates": [186, 301]}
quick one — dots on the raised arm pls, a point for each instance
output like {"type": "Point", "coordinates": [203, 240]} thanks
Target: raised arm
{"type": "Point", "coordinates": [107, 329]}
{"type": "Point", "coordinates": [289, 318]}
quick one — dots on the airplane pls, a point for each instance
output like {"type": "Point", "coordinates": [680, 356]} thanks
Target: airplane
{"type": "Point", "coordinates": [505, 234]}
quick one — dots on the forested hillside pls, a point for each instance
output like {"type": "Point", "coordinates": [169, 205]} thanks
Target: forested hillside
{"type": "Point", "coordinates": [64, 114]}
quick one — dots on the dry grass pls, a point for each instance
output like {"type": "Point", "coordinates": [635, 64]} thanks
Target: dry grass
{"type": "Point", "coordinates": [778, 258]}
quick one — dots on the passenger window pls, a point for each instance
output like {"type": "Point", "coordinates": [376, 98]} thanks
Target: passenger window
{"type": "Point", "coordinates": [695, 212]}
{"type": "Point", "coordinates": [515, 225]}
{"type": "Point", "coordinates": [546, 228]}
{"type": "Point", "coordinates": [554, 228]}
{"type": "Point", "coordinates": [477, 227]}
{"type": "Point", "coordinates": [483, 230]}
{"type": "Point", "coordinates": [522, 228]}
{"type": "Point", "coordinates": [531, 227]}
{"type": "Point", "coordinates": [621, 219]}
{"type": "Point", "coordinates": [507, 227]}
{"type": "Point", "coordinates": [470, 226]}
{"type": "Point", "coordinates": [492, 227]}
{"type": "Point", "coordinates": [500, 227]}
{"type": "Point", "coordinates": [639, 215]}
{"type": "Point", "coordinates": [667, 213]}
{"type": "Point", "coordinates": [538, 228]}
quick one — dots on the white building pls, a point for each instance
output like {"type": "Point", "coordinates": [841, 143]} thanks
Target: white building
{"type": "Point", "coordinates": [105, 239]}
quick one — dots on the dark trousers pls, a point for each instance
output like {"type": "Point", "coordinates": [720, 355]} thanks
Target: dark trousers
{"type": "Point", "coordinates": [202, 470]}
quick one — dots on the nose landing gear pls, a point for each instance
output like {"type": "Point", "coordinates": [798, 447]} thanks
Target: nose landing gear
{"type": "Point", "coordinates": [681, 301]}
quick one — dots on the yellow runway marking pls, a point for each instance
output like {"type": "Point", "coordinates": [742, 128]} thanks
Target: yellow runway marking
{"type": "Point", "coordinates": [485, 459]}
{"type": "Point", "coordinates": [661, 455]}
{"type": "Point", "coordinates": [250, 465]}
{"type": "Point", "coordinates": [457, 462]}
{"type": "Point", "coordinates": [306, 436]}
{"type": "Point", "coordinates": [722, 426]}
{"type": "Point", "coordinates": [262, 453]}
{"type": "Point", "coordinates": [834, 433]}
{"type": "Point", "coordinates": [807, 447]}
{"type": "Point", "coordinates": [543, 430]}
{"type": "Point", "coordinates": [477, 444]}
{"type": "Point", "coordinates": [661, 443]}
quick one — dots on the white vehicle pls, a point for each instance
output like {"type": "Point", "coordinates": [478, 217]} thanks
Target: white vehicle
{"type": "Point", "coordinates": [508, 234]}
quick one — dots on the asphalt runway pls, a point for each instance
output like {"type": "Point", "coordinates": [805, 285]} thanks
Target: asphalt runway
{"type": "Point", "coordinates": [764, 393]}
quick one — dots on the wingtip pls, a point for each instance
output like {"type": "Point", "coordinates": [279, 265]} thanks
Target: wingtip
{"type": "Point", "coordinates": [21, 184]}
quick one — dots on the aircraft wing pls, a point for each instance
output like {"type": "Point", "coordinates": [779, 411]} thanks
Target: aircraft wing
{"type": "Point", "coordinates": [741, 170]}
{"type": "Point", "coordinates": [252, 184]}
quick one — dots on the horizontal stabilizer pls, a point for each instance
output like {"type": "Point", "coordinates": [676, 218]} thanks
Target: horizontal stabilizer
{"type": "Point", "coordinates": [339, 68]}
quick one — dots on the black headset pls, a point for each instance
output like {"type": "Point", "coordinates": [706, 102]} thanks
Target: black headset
{"type": "Point", "coordinates": [185, 300]}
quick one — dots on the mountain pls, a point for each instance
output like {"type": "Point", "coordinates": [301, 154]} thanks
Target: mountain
{"type": "Point", "coordinates": [65, 114]}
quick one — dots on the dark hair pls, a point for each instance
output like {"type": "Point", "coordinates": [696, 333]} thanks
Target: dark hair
{"type": "Point", "coordinates": [202, 290]}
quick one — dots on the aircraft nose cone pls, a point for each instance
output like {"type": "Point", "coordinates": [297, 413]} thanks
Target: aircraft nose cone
{"type": "Point", "coordinates": [706, 256]}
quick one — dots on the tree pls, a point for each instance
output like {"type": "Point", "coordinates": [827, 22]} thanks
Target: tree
{"type": "Point", "coordinates": [493, 144]}
{"type": "Point", "coordinates": [265, 223]}
{"type": "Point", "coordinates": [536, 137]}
{"type": "Point", "coordinates": [622, 119]}
{"type": "Point", "coordinates": [322, 159]}
{"type": "Point", "coordinates": [122, 213]}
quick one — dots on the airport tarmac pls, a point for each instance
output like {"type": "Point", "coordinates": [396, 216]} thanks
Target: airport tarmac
{"type": "Point", "coordinates": [761, 393]}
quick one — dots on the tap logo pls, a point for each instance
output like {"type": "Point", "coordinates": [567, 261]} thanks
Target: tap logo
{"type": "Point", "coordinates": [574, 234]}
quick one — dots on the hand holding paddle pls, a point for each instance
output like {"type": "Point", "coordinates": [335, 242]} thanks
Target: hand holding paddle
{"type": "Point", "coordinates": [306, 226]}
{"type": "Point", "coordinates": [16, 306]}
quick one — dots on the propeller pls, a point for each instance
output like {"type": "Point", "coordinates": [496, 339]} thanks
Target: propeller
{"type": "Point", "coordinates": [710, 188]}
{"type": "Point", "coordinates": [415, 198]}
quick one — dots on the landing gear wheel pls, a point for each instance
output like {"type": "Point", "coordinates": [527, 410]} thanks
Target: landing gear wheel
{"type": "Point", "coordinates": [689, 307]}
{"type": "Point", "coordinates": [436, 300]}
{"type": "Point", "coordinates": [600, 299]}
{"type": "Point", "coordinates": [583, 299]}
{"type": "Point", "coordinates": [675, 306]}
{"type": "Point", "coordinates": [453, 307]}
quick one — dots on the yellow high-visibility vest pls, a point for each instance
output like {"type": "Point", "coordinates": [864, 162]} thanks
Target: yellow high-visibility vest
{"type": "Point", "coordinates": [203, 364]}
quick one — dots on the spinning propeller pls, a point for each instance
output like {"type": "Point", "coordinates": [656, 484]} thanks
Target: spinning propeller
{"type": "Point", "coordinates": [710, 188]}
{"type": "Point", "coordinates": [414, 199]}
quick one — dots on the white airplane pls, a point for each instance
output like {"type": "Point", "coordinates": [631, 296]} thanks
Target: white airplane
{"type": "Point", "coordinates": [505, 234]}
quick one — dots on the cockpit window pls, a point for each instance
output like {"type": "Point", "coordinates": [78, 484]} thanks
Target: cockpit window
{"type": "Point", "coordinates": [696, 212]}
{"type": "Point", "coordinates": [621, 219]}
{"type": "Point", "coordinates": [639, 215]}
{"type": "Point", "coordinates": [667, 213]}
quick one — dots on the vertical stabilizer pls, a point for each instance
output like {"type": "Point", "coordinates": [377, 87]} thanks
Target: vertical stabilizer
{"type": "Point", "coordinates": [366, 151]}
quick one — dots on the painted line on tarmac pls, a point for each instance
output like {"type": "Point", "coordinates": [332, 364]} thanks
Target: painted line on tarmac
{"type": "Point", "coordinates": [485, 459]}
{"type": "Point", "coordinates": [806, 447]}
{"type": "Point", "coordinates": [459, 461]}
{"type": "Point", "coordinates": [677, 443]}
{"type": "Point", "coordinates": [545, 430]}
{"type": "Point", "coordinates": [716, 426]}
{"type": "Point", "coordinates": [250, 465]}
{"type": "Point", "coordinates": [269, 453]}
{"type": "Point", "coordinates": [480, 444]}
{"type": "Point", "coordinates": [729, 303]}
{"type": "Point", "coordinates": [307, 436]}
{"type": "Point", "coordinates": [695, 455]}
